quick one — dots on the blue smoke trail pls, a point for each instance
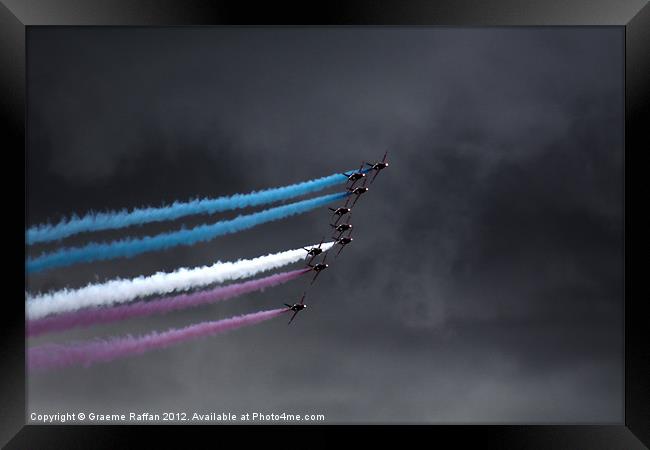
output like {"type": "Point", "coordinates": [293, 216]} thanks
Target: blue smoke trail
{"type": "Point", "coordinates": [131, 247]}
{"type": "Point", "coordinates": [124, 218]}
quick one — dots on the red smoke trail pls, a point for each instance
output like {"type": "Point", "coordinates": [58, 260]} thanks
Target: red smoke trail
{"type": "Point", "coordinates": [88, 317]}
{"type": "Point", "coordinates": [51, 356]}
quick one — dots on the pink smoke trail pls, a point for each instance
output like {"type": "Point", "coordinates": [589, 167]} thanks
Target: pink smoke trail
{"type": "Point", "coordinates": [88, 317]}
{"type": "Point", "coordinates": [52, 356]}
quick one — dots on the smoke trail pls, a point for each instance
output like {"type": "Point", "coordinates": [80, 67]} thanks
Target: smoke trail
{"type": "Point", "coordinates": [89, 317]}
{"type": "Point", "coordinates": [182, 279]}
{"type": "Point", "coordinates": [50, 356]}
{"type": "Point", "coordinates": [122, 219]}
{"type": "Point", "coordinates": [132, 247]}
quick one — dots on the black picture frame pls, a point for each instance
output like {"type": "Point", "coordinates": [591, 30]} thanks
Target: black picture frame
{"type": "Point", "coordinates": [634, 15]}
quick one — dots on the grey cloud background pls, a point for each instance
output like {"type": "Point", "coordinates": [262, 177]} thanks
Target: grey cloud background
{"type": "Point", "coordinates": [485, 281]}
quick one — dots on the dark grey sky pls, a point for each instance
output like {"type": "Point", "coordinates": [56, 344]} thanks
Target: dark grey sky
{"type": "Point", "coordinates": [485, 281]}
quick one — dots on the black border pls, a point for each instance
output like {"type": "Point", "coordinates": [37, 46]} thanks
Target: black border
{"type": "Point", "coordinates": [634, 15]}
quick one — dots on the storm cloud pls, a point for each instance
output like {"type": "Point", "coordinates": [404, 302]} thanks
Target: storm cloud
{"type": "Point", "coordinates": [485, 280]}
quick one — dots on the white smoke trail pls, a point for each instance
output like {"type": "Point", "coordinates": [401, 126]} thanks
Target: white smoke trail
{"type": "Point", "coordinates": [121, 290]}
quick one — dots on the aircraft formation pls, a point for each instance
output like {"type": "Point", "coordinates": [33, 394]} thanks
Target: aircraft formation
{"type": "Point", "coordinates": [342, 232]}
{"type": "Point", "coordinates": [122, 299]}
